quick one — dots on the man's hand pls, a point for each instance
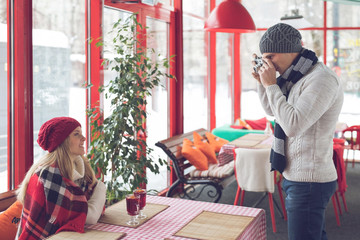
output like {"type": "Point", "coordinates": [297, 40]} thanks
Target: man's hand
{"type": "Point", "coordinates": [267, 73]}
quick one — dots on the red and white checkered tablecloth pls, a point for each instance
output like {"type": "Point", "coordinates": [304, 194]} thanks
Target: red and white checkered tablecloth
{"type": "Point", "coordinates": [181, 211]}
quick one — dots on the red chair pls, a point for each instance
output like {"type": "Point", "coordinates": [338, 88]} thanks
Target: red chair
{"type": "Point", "coordinates": [252, 172]}
{"type": "Point", "coordinates": [341, 172]}
{"type": "Point", "coordinates": [352, 137]}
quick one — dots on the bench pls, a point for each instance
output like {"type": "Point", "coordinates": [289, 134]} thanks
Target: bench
{"type": "Point", "coordinates": [6, 199]}
{"type": "Point", "coordinates": [186, 181]}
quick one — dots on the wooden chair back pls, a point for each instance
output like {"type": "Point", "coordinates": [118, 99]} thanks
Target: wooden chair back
{"type": "Point", "coordinates": [6, 199]}
{"type": "Point", "coordinates": [172, 147]}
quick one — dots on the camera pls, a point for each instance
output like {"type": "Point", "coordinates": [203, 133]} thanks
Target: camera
{"type": "Point", "coordinates": [258, 63]}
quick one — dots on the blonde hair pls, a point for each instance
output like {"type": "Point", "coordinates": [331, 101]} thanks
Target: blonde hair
{"type": "Point", "coordinates": [62, 157]}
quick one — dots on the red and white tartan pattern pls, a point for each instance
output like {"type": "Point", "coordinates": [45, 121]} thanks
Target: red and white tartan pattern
{"type": "Point", "coordinates": [215, 171]}
{"type": "Point", "coordinates": [52, 204]}
{"type": "Point", "coordinates": [226, 154]}
{"type": "Point", "coordinates": [181, 211]}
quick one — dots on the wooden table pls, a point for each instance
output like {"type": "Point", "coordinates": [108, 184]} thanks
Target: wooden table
{"type": "Point", "coordinates": [179, 213]}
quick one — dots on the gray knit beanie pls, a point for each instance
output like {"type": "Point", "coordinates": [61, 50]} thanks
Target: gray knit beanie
{"type": "Point", "coordinates": [280, 38]}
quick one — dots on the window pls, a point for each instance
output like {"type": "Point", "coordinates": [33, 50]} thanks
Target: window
{"type": "Point", "coordinates": [3, 98]}
{"type": "Point", "coordinates": [166, 2]}
{"type": "Point", "coordinates": [250, 104]}
{"type": "Point", "coordinates": [223, 106]}
{"type": "Point", "coordinates": [58, 63]}
{"type": "Point", "coordinates": [311, 10]}
{"type": "Point", "coordinates": [342, 15]}
{"type": "Point", "coordinates": [343, 51]}
{"type": "Point", "coordinates": [110, 17]}
{"type": "Point", "coordinates": [195, 62]}
{"type": "Point", "coordinates": [157, 105]}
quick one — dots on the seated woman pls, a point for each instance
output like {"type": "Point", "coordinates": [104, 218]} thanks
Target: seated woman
{"type": "Point", "coordinates": [60, 191]}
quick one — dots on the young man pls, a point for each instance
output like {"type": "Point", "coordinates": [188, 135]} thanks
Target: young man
{"type": "Point", "coordinates": [305, 100]}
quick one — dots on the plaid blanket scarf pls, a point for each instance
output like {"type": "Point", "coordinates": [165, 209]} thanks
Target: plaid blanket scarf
{"type": "Point", "coordinates": [52, 204]}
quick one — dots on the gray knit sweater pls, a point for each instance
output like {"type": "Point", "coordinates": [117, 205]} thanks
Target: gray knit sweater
{"type": "Point", "coordinates": [308, 119]}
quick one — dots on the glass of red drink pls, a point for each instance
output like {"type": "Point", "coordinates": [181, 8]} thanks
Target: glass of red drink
{"type": "Point", "coordinates": [132, 207]}
{"type": "Point", "coordinates": [142, 194]}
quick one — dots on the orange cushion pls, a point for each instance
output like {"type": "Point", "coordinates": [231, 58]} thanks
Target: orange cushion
{"type": "Point", "coordinates": [215, 141]}
{"type": "Point", "coordinates": [241, 124]}
{"type": "Point", "coordinates": [194, 155]}
{"type": "Point", "coordinates": [9, 221]}
{"type": "Point", "coordinates": [205, 147]}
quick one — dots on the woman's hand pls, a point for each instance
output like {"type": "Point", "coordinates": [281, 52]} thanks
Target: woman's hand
{"type": "Point", "coordinates": [90, 189]}
{"type": "Point", "coordinates": [93, 184]}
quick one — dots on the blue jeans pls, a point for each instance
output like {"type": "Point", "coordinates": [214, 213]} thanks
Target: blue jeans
{"type": "Point", "coordinates": [305, 206]}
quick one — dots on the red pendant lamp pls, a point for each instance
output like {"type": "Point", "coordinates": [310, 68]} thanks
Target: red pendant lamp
{"type": "Point", "coordinates": [230, 16]}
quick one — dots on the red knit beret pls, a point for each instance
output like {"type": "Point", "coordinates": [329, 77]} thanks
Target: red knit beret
{"type": "Point", "coordinates": [54, 132]}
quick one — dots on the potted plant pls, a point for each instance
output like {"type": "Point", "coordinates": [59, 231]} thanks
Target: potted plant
{"type": "Point", "coordinates": [118, 149]}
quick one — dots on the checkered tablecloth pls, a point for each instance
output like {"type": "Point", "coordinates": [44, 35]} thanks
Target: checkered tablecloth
{"type": "Point", "coordinates": [168, 222]}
